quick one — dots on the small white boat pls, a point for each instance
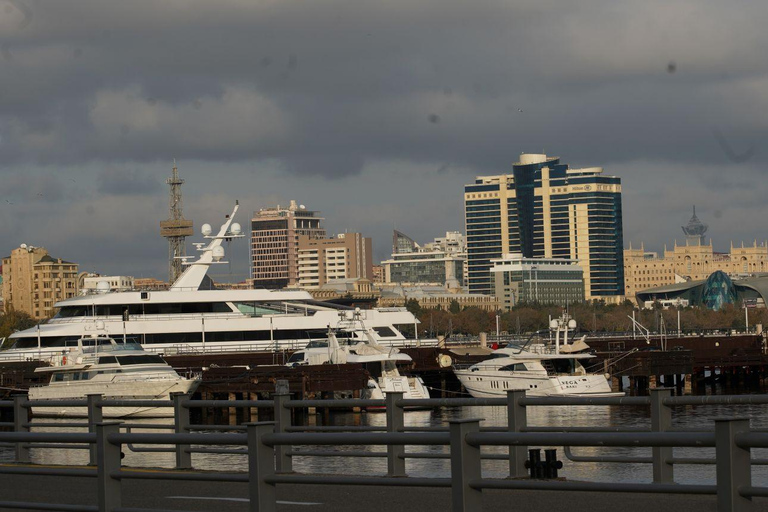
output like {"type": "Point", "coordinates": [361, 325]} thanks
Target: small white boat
{"type": "Point", "coordinates": [380, 361]}
{"type": "Point", "coordinates": [116, 369]}
{"type": "Point", "coordinates": [540, 369]}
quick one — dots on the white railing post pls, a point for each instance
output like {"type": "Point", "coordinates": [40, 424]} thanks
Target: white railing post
{"type": "Point", "coordinates": [181, 426]}
{"type": "Point", "coordinates": [282, 422]}
{"type": "Point", "coordinates": [465, 467]}
{"type": "Point", "coordinates": [517, 421]}
{"type": "Point", "coordinates": [734, 470]}
{"type": "Point", "coordinates": [95, 415]}
{"type": "Point", "coordinates": [108, 463]}
{"type": "Point", "coordinates": [395, 423]}
{"type": "Point", "coordinates": [661, 421]}
{"type": "Point", "coordinates": [21, 424]}
{"type": "Point", "coordinates": [261, 465]}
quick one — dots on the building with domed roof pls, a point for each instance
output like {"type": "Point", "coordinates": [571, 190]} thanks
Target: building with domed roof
{"type": "Point", "coordinates": [694, 261]}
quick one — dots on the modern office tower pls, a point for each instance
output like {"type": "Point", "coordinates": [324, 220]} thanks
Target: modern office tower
{"type": "Point", "coordinates": [541, 280]}
{"type": "Point", "coordinates": [440, 262]}
{"type": "Point", "coordinates": [543, 209]}
{"type": "Point", "coordinates": [33, 281]}
{"type": "Point", "coordinates": [321, 260]}
{"type": "Point", "coordinates": [275, 242]}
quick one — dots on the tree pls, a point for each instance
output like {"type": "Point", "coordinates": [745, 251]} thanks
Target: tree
{"type": "Point", "coordinates": [13, 321]}
{"type": "Point", "coordinates": [413, 306]}
{"type": "Point", "coordinates": [454, 307]}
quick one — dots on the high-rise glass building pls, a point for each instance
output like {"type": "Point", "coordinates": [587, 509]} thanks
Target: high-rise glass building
{"type": "Point", "coordinates": [543, 209]}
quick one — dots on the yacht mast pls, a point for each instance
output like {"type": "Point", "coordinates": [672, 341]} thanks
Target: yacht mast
{"type": "Point", "coordinates": [176, 228]}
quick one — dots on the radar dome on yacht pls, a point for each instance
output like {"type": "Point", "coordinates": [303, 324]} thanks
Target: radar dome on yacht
{"type": "Point", "coordinates": [218, 253]}
{"type": "Point", "coordinates": [206, 229]}
{"type": "Point", "coordinates": [572, 324]}
{"type": "Point", "coordinates": [235, 228]}
{"type": "Point", "coordinates": [103, 287]}
{"type": "Point", "coordinates": [553, 324]}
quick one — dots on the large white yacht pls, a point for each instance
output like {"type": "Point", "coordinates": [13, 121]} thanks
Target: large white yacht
{"type": "Point", "coordinates": [190, 319]}
{"type": "Point", "coordinates": [98, 364]}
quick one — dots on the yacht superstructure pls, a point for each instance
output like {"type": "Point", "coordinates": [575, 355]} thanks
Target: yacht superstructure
{"type": "Point", "coordinates": [189, 319]}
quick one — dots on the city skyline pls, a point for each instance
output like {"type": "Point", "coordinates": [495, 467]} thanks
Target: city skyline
{"type": "Point", "coordinates": [376, 115]}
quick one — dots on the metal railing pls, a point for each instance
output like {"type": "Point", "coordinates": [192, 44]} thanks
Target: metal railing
{"type": "Point", "coordinates": [270, 446]}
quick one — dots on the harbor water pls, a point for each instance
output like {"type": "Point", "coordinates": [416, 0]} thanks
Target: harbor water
{"type": "Point", "coordinates": [688, 417]}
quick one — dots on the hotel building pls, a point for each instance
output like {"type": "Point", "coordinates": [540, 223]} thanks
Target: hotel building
{"type": "Point", "coordinates": [544, 209]}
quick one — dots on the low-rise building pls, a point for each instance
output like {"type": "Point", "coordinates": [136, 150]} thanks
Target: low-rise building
{"type": "Point", "coordinates": [437, 263]}
{"type": "Point", "coordinates": [321, 260]}
{"type": "Point", "coordinates": [540, 280]}
{"type": "Point", "coordinates": [435, 297]}
{"type": "Point", "coordinates": [33, 281]}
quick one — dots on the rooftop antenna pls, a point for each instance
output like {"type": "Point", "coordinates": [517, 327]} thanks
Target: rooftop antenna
{"type": "Point", "coordinates": [176, 228]}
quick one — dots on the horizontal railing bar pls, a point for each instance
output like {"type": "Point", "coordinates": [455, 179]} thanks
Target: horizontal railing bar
{"type": "Point", "coordinates": [137, 449]}
{"type": "Point", "coordinates": [748, 440]}
{"type": "Point", "coordinates": [159, 426]}
{"type": "Point", "coordinates": [27, 505]}
{"type": "Point", "coordinates": [326, 453]}
{"type": "Point", "coordinates": [344, 428]}
{"type": "Point", "coordinates": [133, 509]}
{"type": "Point", "coordinates": [48, 437]}
{"type": "Point", "coordinates": [584, 400]}
{"type": "Point", "coordinates": [451, 402]}
{"type": "Point", "coordinates": [217, 427]}
{"type": "Point", "coordinates": [225, 451]}
{"type": "Point", "coordinates": [578, 429]}
{"type": "Point", "coordinates": [58, 446]}
{"type": "Point", "coordinates": [189, 404]}
{"type": "Point", "coordinates": [135, 403]}
{"type": "Point", "coordinates": [592, 486]}
{"type": "Point", "coordinates": [6, 404]}
{"type": "Point", "coordinates": [673, 439]}
{"type": "Point", "coordinates": [604, 458]}
{"type": "Point", "coordinates": [359, 480]}
{"type": "Point", "coordinates": [754, 492]}
{"type": "Point", "coordinates": [132, 474]}
{"type": "Point", "coordinates": [73, 424]}
{"type": "Point", "coordinates": [717, 400]}
{"type": "Point", "coordinates": [159, 438]}
{"type": "Point", "coordinates": [47, 471]}
{"type": "Point", "coordinates": [347, 402]}
{"type": "Point", "coordinates": [7, 424]}
{"type": "Point", "coordinates": [364, 438]}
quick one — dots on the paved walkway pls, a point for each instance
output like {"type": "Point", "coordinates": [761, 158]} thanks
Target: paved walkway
{"type": "Point", "coordinates": [225, 497]}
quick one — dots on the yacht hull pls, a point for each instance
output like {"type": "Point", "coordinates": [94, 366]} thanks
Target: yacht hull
{"type": "Point", "coordinates": [491, 385]}
{"type": "Point", "coordinates": [133, 390]}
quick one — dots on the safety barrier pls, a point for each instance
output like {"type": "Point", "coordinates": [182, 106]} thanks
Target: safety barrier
{"type": "Point", "coordinates": [270, 447]}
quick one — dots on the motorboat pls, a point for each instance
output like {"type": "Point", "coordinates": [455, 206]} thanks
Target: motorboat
{"type": "Point", "coordinates": [192, 318]}
{"type": "Point", "coordinates": [539, 368]}
{"type": "Point", "coordinates": [379, 360]}
{"type": "Point", "coordinates": [115, 368]}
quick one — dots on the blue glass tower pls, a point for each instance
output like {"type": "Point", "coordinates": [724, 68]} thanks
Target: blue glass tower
{"type": "Point", "coordinates": [543, 209]}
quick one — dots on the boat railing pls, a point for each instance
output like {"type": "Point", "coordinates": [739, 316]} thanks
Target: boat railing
{"type": "Point", "coordinates": [272, 446]}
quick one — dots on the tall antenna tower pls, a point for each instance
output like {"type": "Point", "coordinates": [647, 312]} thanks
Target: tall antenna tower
{"type": "Point", "coordinates": [176, 228]}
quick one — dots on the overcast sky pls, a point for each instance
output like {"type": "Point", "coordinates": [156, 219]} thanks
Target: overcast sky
{"type": "Point", "coordinates": [374, 113]}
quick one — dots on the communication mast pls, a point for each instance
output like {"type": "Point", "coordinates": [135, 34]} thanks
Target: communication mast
{"type": "Point", "coordinates": [176, 228]}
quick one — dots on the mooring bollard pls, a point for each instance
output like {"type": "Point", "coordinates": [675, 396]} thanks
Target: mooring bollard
{"type": "Point", "coordinates": [395, 423]}
{"type": "Point", "coordinates": [551, 464]}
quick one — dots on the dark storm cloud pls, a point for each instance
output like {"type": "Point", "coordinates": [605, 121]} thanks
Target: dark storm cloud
{"type": "Point", "coordinates": [262, 98]}
{"type": "Point", "coordinates": [120, 181]}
